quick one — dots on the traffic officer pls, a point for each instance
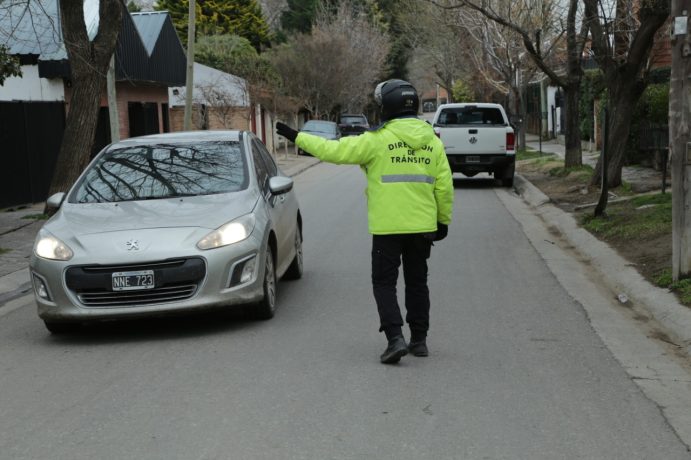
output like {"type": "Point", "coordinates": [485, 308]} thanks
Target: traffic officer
{"type": "Point", "coordinates": [409, 204]}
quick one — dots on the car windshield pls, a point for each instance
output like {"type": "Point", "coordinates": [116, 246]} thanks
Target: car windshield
{"type": "Point", "coordinates": [146, 172]}
{"type": "Point", "coordinates": [353, 120]}
{"type": "Point", "coordinates": [320, 127]}
{"type": "Point", "coordinates": [471, 116]}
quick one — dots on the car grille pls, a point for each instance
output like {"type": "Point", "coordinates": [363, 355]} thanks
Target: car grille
{"type": "Point", "coordinates": [175, 280]}
{"type": "Point", "coordinates": [125, 298]}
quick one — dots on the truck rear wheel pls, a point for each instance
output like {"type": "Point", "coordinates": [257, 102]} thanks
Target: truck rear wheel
{"type": "Point", "coordinates": [505, 175]}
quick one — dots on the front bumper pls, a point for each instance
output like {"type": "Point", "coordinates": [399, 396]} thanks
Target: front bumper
{"type": "Point", "coordinates": [473, 164]}
{"type": "Point", "coordinates": [211, 281]}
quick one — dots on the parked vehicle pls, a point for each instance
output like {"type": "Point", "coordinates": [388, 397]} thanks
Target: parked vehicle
{"type": "Point", "coordinates": [477, 138]}
{"type": "Point", "coordinates": [326, 129]}
{"type": "Point", "coordinates": [352, 125]}
{"type": "Point", "coordinates": [165, 224]}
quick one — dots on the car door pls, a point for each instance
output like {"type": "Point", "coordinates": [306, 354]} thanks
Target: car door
{"type": "Point", "coordinates": [282, 208]}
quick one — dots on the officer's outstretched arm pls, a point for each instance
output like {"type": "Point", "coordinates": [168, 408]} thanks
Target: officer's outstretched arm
{"type": "Point", "coordinates": [355, 150]}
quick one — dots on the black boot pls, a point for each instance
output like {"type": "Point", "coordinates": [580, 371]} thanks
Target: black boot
{"type": "Point", "coordinates": [395, 351]}
{"type": "Point", "coordinates": [418, 348]}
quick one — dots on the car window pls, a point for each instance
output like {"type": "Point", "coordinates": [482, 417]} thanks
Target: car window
{"type": "Point", "coordinates": [145, 172]}
{"type": "Point", "coordinates": [269, 162]}
{"type": "Point", "coordinates": [320, 127]}
{"type": "Point", "coordinates": [471, 116]}
{"type": "Point", "coordinates": [353, 120]}
{"type": "Point", "coordinates": [260, 168]}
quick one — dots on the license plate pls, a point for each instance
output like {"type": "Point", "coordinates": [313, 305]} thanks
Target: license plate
{"type": "Point", "coordinates": [472, 159]}
{"type": "Point", "coordinates": [130, 281]}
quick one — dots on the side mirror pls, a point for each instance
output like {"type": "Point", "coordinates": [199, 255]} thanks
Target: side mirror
{"type": "Point", "coordinates": [55, 201]}
{"type": "Point", "coordinates": [280, 185]}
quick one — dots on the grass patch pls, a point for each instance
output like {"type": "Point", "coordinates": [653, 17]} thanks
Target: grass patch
{"type": "Point", "coordinates": [581, 174]}
{"type": "Point", "coordinates": [527, 154]}
{"type": "Point", "coordinates": [4, 251]}
{"type": "Point", "coordinates": [624, 220]}
{"type": "Point", "coordinates": [682, 287]}
{"type": "Point", "coordinates": [36, 216]}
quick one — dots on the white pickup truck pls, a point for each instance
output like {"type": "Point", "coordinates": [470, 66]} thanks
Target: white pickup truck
{"type": "Point", "coordinates": [477, 138]}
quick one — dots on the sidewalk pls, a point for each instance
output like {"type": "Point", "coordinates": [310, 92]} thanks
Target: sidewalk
{"type": "Point", "coordinates": [613, 270]}
{"type": "Point", "coordinates": [18, 231]}
{"type": "Point", "coordinates": [641, 179]}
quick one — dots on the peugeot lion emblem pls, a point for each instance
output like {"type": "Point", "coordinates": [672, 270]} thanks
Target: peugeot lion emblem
{"type": "Point", "coordinates": [473, 140]}
{"type": "Point", "coordinates": [132, 245]}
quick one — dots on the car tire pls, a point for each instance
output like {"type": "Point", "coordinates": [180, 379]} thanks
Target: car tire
{"type": "Point", "coordinates": [295, 269]}
{"type": "Point", "coordinates": [61, 328]}
{"type": "Point", "coordinates": [505, 175]}
{"type": "Point", "coordinates": [266, 308]}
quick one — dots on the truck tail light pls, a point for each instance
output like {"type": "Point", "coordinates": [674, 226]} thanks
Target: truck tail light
{"type": "Point", "coordinates": [510, 141]}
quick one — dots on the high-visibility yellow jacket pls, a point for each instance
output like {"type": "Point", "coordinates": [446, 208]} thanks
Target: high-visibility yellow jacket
{"type": "Point", "coordinates": [409, 182]}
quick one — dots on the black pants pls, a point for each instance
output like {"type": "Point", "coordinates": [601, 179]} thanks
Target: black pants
{"type": "Point", "coordinates": [387, 253]}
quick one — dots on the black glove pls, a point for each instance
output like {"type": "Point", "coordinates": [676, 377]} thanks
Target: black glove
{"type": "Point", "coordinates": [286, 131]}
{"type": "Point", "coordinates": [442, 231]}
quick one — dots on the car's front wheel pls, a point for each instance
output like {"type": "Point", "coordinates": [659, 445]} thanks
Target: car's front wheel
{"type": "Point", "coordinates": [294, 271]}
{"type": "Point", "coordinates": [266, 308]}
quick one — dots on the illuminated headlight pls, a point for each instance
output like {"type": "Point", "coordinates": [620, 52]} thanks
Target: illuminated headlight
{"type": "Point", "coordinates": [49, 247]}
{"type": "Point", "coordinates": [230, 233]}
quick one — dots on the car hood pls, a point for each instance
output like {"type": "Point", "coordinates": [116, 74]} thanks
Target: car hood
{"type": "Point", "coordinates": [206, 211]}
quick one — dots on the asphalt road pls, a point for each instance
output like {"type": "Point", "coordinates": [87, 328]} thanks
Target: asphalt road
{"type": "Point", "coordinates": [516, 369]}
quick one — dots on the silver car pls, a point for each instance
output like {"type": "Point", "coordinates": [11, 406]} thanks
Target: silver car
{"type": "Point", "coordinates": [167, 224]}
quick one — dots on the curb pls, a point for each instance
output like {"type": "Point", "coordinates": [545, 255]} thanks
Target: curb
{"type": "Point", "coordinates": [615, 271]}
{"type": "Point", "coordinates": [14, 285]}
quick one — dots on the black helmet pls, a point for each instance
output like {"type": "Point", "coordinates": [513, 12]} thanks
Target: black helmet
{"type": "Point", "coordinates": [396, 98]}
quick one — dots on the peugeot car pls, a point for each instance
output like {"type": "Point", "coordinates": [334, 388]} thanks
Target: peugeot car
{"type": "Point", "coordinates": [167, 224]}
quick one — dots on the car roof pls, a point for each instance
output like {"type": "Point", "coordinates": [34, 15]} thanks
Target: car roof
{"type": "Point", "coordinates": [182, 137]}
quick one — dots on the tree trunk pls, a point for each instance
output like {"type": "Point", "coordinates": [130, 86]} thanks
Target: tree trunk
{"type": "Point", "coordinates": [623, 99]}
{"type": "Point", "coordinates": [80, 131]}
{"type": "Point", "coordinates": [572, 137]}
{"type": "Point", "coordinates": [89, 62]}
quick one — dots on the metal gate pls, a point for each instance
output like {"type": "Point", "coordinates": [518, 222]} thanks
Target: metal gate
{"type": "Point", "coordinates": [30, 138]}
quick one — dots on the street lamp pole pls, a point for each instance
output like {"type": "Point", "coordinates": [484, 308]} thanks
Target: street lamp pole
{"type": "Point", "coordinates": [538, 32]}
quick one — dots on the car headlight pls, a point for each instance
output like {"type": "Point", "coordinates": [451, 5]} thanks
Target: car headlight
{"type": "Point", "coordinates": [230, 233]}
{"type": "Point", "coordinates": [49, 247]}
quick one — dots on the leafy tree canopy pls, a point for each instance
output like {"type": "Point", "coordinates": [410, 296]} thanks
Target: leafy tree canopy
{"type": "Point", "coordinates": [462, 92]}
{"type": "Point", "coordinates": [235, 55]}
{"type": "Point", "coordinates": [9, 65]}
{"type": "Point", "coordinates": [218, 17]}
{"type": "Point", "coordinates": [133, 7]}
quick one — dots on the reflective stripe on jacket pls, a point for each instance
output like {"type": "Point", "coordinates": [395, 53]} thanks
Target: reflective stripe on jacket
{"type": "Point", "coordinates": [409, 183]}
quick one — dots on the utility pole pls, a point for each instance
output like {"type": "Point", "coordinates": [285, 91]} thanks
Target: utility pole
{"type": "Point", "coordinates": [189, 88]}
{"type": "Point", "coordinates": [679, 139]}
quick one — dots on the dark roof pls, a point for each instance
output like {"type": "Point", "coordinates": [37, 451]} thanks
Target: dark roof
{"type": "Point", "coordinates": [148, 48]}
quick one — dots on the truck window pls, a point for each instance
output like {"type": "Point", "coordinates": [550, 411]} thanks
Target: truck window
{"type": "Point", "coordinates": [485, 116]}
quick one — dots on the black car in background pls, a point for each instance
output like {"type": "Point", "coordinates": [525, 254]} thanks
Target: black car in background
{"type": "Point", "coordinates": [352, 124]}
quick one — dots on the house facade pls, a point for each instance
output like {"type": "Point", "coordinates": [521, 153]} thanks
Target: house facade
{"type": "Point", "coordinates": [149, 58]}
